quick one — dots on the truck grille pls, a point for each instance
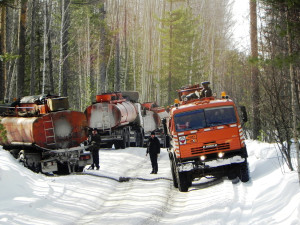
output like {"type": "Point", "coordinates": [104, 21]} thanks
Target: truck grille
{"type": "Point", "coordinates": [219, 147]}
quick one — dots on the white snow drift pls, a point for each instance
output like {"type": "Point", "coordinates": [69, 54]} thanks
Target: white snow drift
{"type": "Point", "coordinates": [271, 197]}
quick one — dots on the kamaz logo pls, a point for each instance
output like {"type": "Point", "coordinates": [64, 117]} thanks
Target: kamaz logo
{"type": "Point", "coordinates": [210, 146]}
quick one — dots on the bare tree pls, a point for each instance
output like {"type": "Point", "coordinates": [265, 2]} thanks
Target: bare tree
{"type": "Point", "coordinates": [22, 43]}
{"type": "Point", "coordinates": [32, 48]}
{"type": "Point", "coordinates": [102, 48]}
{"type": "Point", "coordinates": [64, 49]}
{"type": "Point", "coordinates": [254, 70]}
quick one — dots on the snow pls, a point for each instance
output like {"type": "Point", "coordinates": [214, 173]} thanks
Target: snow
{"type": "Point", "coordinates": [271, 197]}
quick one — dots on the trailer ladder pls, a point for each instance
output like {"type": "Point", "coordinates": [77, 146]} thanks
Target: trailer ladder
{"type": "Point", "coordinates": [49, 130]}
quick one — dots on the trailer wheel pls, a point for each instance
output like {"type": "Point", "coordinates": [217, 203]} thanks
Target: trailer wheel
{"type": "Point", "coordinates": [127, 133]}
{"type": "Point", "coordinates": [62, 169]}
{"type": "Point", "coordinates": [175, 183]}
{"type": "Point", "coordinates": [244, 172]}
{"type": "Point", "coordinates": [117, 144]}
{"type": "Point", "coordinates": [22, 159]}
{"type": "Point", "coordinates": [79, 169]}
{"type": "Point", "coordinates": [122, 143]}
{"type": "Point", "coordinates": [141, 141]}
{"type": "Point", "coordinates": [14, 152]}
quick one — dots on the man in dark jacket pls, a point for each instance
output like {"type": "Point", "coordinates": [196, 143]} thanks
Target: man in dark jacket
{"type": "Point", "coordinates": [153, 149]}
{"type": "Point", "coordinates": [94, 141]}
{"type": "Point", "coordinates": [206, 91]}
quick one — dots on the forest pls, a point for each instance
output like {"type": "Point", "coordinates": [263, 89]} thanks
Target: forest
{"type": "Point", "coordinates": [81, 48]}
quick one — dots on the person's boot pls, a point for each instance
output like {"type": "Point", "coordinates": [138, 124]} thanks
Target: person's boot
{"type": "Point", "coordinates": [152, 172]}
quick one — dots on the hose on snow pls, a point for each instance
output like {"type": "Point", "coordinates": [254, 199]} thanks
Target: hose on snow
{"type": "Point", "coordinates": [125, 179]}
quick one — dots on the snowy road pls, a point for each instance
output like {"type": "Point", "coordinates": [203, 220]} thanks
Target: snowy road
{"type": "Point", "coordinates": [272, 197]}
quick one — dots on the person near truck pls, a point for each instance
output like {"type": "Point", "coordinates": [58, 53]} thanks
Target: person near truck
{"type": "Point", "coordinates": [206, 91]}
{"type": "Point", "coordinates": [94, 141]}
{"type": "Point", "coordinates": [153, 148]}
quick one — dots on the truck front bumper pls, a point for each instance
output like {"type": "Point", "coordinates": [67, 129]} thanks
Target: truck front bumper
{"type": "Point", "coordinates": [197, 165]}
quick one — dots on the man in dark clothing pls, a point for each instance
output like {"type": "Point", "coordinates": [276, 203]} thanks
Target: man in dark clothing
{"type": "Point", "coordinates": [95, 140]}
{"type": "Point", "coordinates": [153, 149]}
{"type": "Point", "coordinates": [206, 91]}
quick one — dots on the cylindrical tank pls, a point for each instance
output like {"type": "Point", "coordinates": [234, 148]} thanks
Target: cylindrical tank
{"type": "Point", "coordinates": [108, 115]}
{"type": "Point", "coordinates": [55, 130]}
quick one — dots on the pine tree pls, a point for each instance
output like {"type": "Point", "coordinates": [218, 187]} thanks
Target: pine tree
{"type": "Point", "coordinates": [178, 35]}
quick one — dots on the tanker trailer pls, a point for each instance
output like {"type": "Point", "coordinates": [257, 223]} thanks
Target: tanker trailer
{"type": "Point", "coordinates": [44, 135]}
{"type": "Point", "coordinates": [117, 119]}
{"type": "Point", "coordinates": [152, 120]}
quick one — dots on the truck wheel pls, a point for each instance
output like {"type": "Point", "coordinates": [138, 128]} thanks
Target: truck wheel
{"type": "Point", "coordinates": [79, 168]}
{"type": "Point", "coordinates": [62, 169]}
{"type": "Point", "coordinates": [122, 144]}
{"type": "Point", "coordinates": [22, 158]}
{"type": "Point", "coordinates": [183, 184]}
{"type": "Point", "coordinates": [175, 183]}
{"type": "Point", "coordinates": [139, 138]}
{"type": "Point", "coordinates": [244, 172]}
{"type": "Point", "coordinates": [127, 138]}
{"type": "Point", "coordinates": [14, 152]}
{"type": "Point", "coordinates": [109, 145]}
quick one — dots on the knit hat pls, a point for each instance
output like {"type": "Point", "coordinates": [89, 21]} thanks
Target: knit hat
{"type": "Point", "coordinates": [152, 133]}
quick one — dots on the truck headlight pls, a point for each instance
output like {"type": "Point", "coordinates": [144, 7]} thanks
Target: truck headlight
{"type": "Point", "coordinates": [221, 154]}
{"type": "Point", "coordinates": [202, 157]}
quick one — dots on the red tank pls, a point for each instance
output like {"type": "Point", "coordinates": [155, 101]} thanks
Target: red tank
{"type": "Point", "coordinates": [110, 110]}
{"type": "Point", "coordinates": [37, 124]}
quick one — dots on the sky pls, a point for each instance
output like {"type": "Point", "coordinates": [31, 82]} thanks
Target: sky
{"type": "Point", "coordinates": [271, 197]}
{"type": "Point", "coordinates": [241, 29]}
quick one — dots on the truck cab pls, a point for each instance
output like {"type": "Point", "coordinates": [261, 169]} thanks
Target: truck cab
{"type": "Point", "coordinates": [206, 139]}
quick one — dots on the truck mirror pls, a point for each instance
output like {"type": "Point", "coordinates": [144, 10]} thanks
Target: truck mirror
{"type": "Point", "coordinates": [244, 114]}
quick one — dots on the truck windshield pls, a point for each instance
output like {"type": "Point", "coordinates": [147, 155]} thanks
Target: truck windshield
{"type": "Point", "coordinates": [202, 118]}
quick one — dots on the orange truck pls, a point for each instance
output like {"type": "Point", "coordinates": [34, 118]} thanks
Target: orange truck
{"type": "Point", "coordinates": [206, 139]}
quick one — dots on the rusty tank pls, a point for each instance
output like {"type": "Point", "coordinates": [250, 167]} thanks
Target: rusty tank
{"type": "Point", "coordinates": [44, 134]}
{"type": "Point", "coordinates": [48, 126]}
{"type": "Point", "coordinates": [111, 110]}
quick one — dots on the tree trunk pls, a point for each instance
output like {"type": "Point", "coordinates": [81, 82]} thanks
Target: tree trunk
{"type": "Point", "coordinates": [2, 52]}
{"type": "Point", "coordinates": [254, 70]}
{"type": "Point", "coordinates": [22, 43]}
{"type": "Point", "coordinates": [44, 48]}
{"type": "Point", "coordinates": [32, 48]}
{"type": "Point", "coordinates": [170, 59]}
{"type": "Point", "coordinates": [103, 54]}
{"type": "Point", "coordinates": [117, 56]}
{"type": "Point", "coordinates": [293, 92]}
{"type": "Point", "coordinates": [65, 39]}
{"type": "Point", "coordinates": [49, 44]}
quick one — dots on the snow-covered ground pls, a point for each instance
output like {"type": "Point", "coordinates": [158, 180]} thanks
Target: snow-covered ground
{"type": "Point", "coordinates": [271, 197]}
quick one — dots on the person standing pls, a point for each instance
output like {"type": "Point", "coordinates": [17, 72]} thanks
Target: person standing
{"type": "Point", "coordinates": [206, 91]}
{"type": "Point", "coordinates": [153, 149]}
{"type": "Point", "coordinates": [95, 140]}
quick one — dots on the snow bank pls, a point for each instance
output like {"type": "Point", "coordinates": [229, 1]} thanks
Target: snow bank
{"type": "Point", "coordinates": [271, 197]}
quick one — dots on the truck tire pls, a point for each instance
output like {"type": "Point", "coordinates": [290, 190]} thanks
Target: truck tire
{"type": "Point", "coordinates": [62, 169]}
{"type": "Point", "coordinates": [244, 172]}
{"type": "Point", "coordinates": [183, 183]}
{"type": "Point", "coordinates": [175, 183]}
{"type": "Point", "coordinates": [127, 137]}
{"type": "Point", "coordinates": [139, 138]}
{"type": "Point", "coordinates": [124, 141]}
{"type": "Point", "coordinates": [79, 168]}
